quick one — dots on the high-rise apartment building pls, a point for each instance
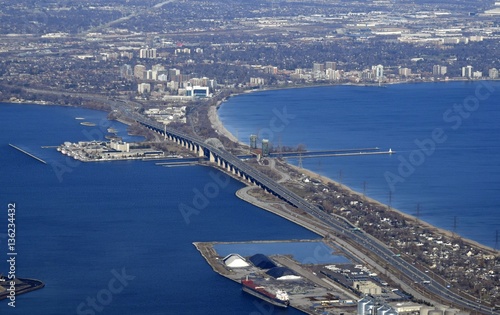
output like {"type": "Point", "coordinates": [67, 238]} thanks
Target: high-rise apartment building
{"type": "Point", "coordinates": [378, 71]}
{"type": "Point", "coordinates": [493, 73]}
{"type": "Point", "coordinates": [467, 72]}
{"type": "Point", "coordinates": [147, 53]}
{"type": "Point", "coordinates": [438, 70]}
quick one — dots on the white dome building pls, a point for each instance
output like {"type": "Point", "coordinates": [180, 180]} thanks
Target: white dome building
{"type": "Point", "coordinates": [235, 261]}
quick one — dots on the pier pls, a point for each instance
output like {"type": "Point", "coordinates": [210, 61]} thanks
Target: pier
{"type": "Point", "coordinates": [27, 153]}
{"type": "Point", "coordinates": [309, 292]}
{"type": "Point", "coordinates": [333, 153]}
{"type": "Point", "coordinates": [176, 164]}
{"type": "Point", "coordinates": [22, 285]}
{"type": "Point", "coordinates": [403, 272]}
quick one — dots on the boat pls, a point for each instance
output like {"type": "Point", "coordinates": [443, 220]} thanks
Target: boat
{"type": "Point", "coordinates": [278, 298]}
{"type": "Point", "coordinates": [88, 124]}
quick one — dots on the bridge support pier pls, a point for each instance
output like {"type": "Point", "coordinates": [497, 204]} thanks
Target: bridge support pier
{"type": "Point", "coordinates": [200, 152]}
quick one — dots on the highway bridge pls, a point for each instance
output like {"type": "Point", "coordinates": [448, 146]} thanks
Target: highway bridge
{"type": "Point", "coordinates": [338, 224]}
{"type": "Point", "coordinates": [221, 157]}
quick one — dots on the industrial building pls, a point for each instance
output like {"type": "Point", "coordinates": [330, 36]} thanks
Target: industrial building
{"type": "Point", "coordinates": [367, 287]}
{"type": "Point", "coordinates": [120, 146]}
{"type": "Point", "coordinates": [369, 306]}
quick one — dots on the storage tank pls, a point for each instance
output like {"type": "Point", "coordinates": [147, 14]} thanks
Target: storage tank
{"type": "Point", "coordinates": [253, 141]}
{"type": "Point", "coordinates": [392, 312]}
{"type": "Point", "coordinates": [435, 312]}
{"type": "Point", "coordinates": [451, 311]}
{"type": "Point", "coordinates": [365, 306]}
{"type": "Point", "coordinates": [265, 147]}
{"type": "Point", "coordinates": [425, 310]}
{"type": "Point", "coordinates": [383, 310]}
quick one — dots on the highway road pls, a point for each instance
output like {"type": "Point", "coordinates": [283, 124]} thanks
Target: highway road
{"type": "Point", "coordinates": [338, 224]}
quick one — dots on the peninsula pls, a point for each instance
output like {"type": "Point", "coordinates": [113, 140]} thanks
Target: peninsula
{"type": "Point", "coordinates": [9, 288]}
{"type": "Point", "coordinates": [164, 67]}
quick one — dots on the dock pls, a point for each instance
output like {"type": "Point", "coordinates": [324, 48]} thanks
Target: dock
{"type": "Point", "coordinates": [177, 164]}
{"type": "Point", "coordinates": [327, 151]}
{"type": "Point", "coordinates": [333, 153]}
{"type": "Point", "coordinates": [27, 153]}
{"type": "Point", "coordinates": [308, 294]}
{"type": "Point", "coordinates": [343, 154]}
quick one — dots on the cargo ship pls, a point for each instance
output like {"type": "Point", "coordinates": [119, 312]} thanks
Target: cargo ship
{"type": "Point", "coordinates": [279, 298]}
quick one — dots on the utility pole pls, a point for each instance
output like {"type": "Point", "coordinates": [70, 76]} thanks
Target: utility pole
{"type": "Point", "coordinates": [454, 226]}
{"type": "Point", "coordinates": [417, 215]}
{"type": "Point", "coordinates": [496, 241]}
{"type": "Point", "coordinates": [390, 200]}
{"type": "Point", "coordinates": [320, 168]}
{"type": "Point", "coordinates": [280, 150]}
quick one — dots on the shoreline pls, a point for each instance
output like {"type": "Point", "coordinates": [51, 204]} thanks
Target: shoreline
{"type": "Point", "coordinates": [407, 216]}
{"type": "Point", "coordinates": [214, 111]}
{"type": "Point", "coordinates": [218, 125]}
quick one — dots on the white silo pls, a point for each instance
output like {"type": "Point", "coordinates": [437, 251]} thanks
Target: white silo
{"type": "Point", "coordinates": [391, 312]}
{"type": "Point", "coordinates": [425, 310]}
{"type": "Point", "coordinates": [365, 305]}
{"type": "Point", "coordinates": [451, 311]}
{"type": "Point", "coordinates": [382, 310]}
{"type": "Point", "coordinates": [435, 312]}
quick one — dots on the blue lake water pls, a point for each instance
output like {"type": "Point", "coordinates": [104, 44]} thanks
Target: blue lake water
{"type": "Point", "coordinates": [78, 225]}
{"type": "Point", "coordinates": [446, 135]}
{"type": "Point", "coordinates": [303, 252]}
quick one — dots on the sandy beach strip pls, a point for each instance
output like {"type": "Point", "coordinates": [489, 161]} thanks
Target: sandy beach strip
{"type": "Point", "coordinates": [217, 124]}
